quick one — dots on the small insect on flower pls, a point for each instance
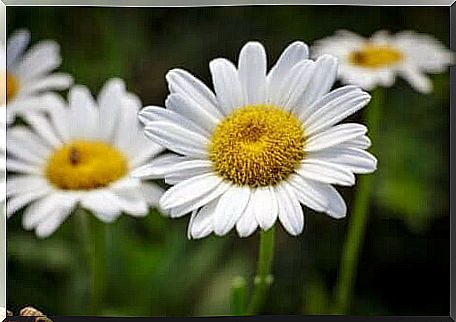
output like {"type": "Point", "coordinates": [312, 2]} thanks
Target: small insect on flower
{"type": "Point", "coordinates": [28, 74]}
{"type": "Point", "coordinates": [377, 60]}
{"type": "Point", "coordinates": [261, 145]}
{"type": "Point", "coordinates": [80, 153]}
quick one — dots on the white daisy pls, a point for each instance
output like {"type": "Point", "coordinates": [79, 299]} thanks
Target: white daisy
{"type": "Point", "coordinates": [29, 74]}
{"type": "Point", "coordinates": [377, 60]}
{"type": "Point", "coordinates": [263, 144]}
{"type": "Point", "coordinates": [81, 154]}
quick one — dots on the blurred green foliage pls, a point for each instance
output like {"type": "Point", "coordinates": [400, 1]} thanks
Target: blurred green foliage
{"type": "Point", "coordinates": [152, 269]}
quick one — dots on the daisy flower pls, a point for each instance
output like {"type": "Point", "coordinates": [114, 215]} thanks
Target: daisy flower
{"type": "Point", "coordinates": [261, 145]}
{"type": "Point", "coordinates": [2, 125]}
{"type": "Point", "coordinates": [377, 60]}
{"type": "Point", "coordinates": [29, 74]}
{"type": "Point", "coordinates": [82, 154]}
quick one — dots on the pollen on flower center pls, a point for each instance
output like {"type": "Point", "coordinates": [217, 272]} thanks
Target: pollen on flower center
{"type": "Point", "coordinates": [85, 165]}
{"type": "Point", "coordinates": [12, 87]}
{"type": "Point", "coordinates": [257, 145]}
{"type": "Point", "coordinates": [374, 56]}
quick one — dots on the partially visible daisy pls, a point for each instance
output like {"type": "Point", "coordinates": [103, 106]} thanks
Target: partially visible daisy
{"type": "Point", "coordinates": [82, 154]}
{"type": "Point", "coordinates": [376, 61]}
{"type": "Point", "coordinates": [249, 154]}
{"type": "Point", "coordinates": [29, 73]}
{"type": "Point", "coordinates": [2, 125]}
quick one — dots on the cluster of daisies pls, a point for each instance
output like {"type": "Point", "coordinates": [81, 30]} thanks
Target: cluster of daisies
{"type": "Point", "coordinates": [243, 155]}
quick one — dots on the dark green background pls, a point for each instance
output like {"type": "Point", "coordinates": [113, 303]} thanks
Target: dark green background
{"type": "Point", "coordinates": [152, 269]}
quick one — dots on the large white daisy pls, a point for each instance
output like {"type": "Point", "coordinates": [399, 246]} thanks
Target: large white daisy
{"type": "Point", "coordinates": [261, 145]}
{"type": "Point", "coordinates": [375, 61]}
{"type": "Point", "coordinates": [81, 154]}
{"type": "Point", "coordinates": [29, 74]}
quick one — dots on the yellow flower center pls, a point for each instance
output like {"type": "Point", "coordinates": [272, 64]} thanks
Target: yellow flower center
{"type": "Point", "coordinates": [12, 87]}
{"type": "Point", "coordinates": [85, 165]}
{"type": "Point", "coordinates": [375, 56]}
{"type": "Point", "coordinates": [258, 145]}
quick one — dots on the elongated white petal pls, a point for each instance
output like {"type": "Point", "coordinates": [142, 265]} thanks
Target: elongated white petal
{"type": "Point", "coordinates": [177, 138]}
{"type": "Point", "coordinates": [292, 55]}
{"type": "Point", "coordinates": [189, 190]}
{"type": "Point", "coordinates": [333, 136]}
{"type": "Point", "coordinates": [227, 85]}
{"type": "Point", "coordinates": [357, 160]}
{"type": "Point", "coordinates": [83, 113]}
{"type": "Point", "coordinates": [252, 73]}
{"type": "Point", "coordinates": [290, 211]}
{"type": "Point", "coordinates": [193, 112]}
{"type": "Point", "coordinates": [247, 224]}
{"type": "Point", "coordinates": [335, 111]}
{"type": "Point", "coordinates": [16, 45]}
{"type": "Point", "coordinates": [229, 209]}
{"type": "Point", "coordinates": [44, 129]}
{"type": "Point", "coordinates": [188, 207]}
{"type": "Point", "coordinates": [103, 204]}
{"type": "Point", "coordinates": [265, 207]}
{"type": "Point", "coordinates": [155, 113]}
{"type": "Point", "coordinates": [186, 85]}
{"type": "Point", "coordinates": [326, 172]}
{"type": "Point", "coordinates": [200, 225]}
{"type": "Point", "coordinates": [18, 201]}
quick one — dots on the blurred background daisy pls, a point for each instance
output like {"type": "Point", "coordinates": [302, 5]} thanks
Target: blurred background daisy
{"type": "Point", "coordinates": [408, 232]}
{"type": "Point", "coordinates": [29, 73]}
{"type": "Point", "coordinates": [376, 61]}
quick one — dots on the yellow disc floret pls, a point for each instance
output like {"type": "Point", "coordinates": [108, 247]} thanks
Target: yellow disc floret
{"type": "Point", "coordinates": [85, 165]}
{"type": "Point", "coordinates": [375, 56]}
{"type": "Point", "coordinates": [12, 87]}
{"type": "Point", "coordinates": [258, 145]}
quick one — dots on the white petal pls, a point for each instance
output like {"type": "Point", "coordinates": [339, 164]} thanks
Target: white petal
{"type": "Point", "coordinates": [357, 160]}
{"type": "Point", "coordinates": [227, 85]}
{"type": "Point", "coordinates": [418, 80]}
{"type": "Point", "coordinates": [288, 93]}
{"type": "Point", "coordinates": [183, 83]}
{"type": "Point", "coordinates": [16, 45]}
{"type": "Point", "coordinates": [132, 202]}
{"type": "Point", "coordinates": [177, 138]}
{"type": "Point", "coordinates": [44, 129]}
{"type": "Point", "coordinates": [290, 211]}
{"type": "Point", "coordinates": [102, 203]}
{"type": "Point", "coordinates": [247, 224]}
{"type": "Point", "coordinates": [157, 167]}
{"type": "Point", "coordinates": [154, 113]}
{"type": "Point", "coordinates": [22, 167]}
{"type": "Point", "coordinates": [56, 81]}
{"type": "Point", "coordinates": [152, 193]}
{"type": "Point", "coordinates": [323, 78]}
{"type": "Point", "coordinates": [189, 190]}
{"type": "Point", "coordinates": [25, 183]}
{"type": "Point", "coordinates": [40, 59]}
{"type": "Point", "coordinates": [292, 55]}
{"type": "Point", "coordinates": [318, 196]}
{"type": "Point", "coordinates": [193, 112]}
{"type": "Point", "coordinates": [17, 202]}
{"type": "Point", "coordinates": [333, 136]}
{"type": "Point", "coordinates": [326, 172]}
{"type": "Point", "coordinates": [109, 101]}
{"type": "Point", "coordinates": [41, 210]}
{"type": "Point", "coordinates": [200, 201]}
{"type": "Point", "coordinates": [252, 72]}
{"type": "Point", "coordinates": [25, 145]}
{"type": "Point", "coordinates": [230, 208]}
{"type": "Point", "coordinates": [59, 116]}
{"type": "Point", "coordinates": [83, 113]}
{"type": "Point", "coordinates": [335, 110]}
{"type": "Point", "coordinates": [265, 207]}
{"type": "Point", "coordinates": [200, 225]}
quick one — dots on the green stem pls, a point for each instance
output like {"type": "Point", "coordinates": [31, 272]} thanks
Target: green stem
{"type": "Point", "coordinates": [358, 221]}
{"type": "Point", "coordinates": [263, 279]}
{"type": "Point", "coordinates": [92, 236]}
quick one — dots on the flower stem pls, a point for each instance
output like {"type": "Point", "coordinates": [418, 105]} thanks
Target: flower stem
{"type": "Point", "coordinates": [358, 221]}
{"type": "Point", "coordinates": [92, 236]}
{"type": "Point", "coordinates": [263, 279]}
